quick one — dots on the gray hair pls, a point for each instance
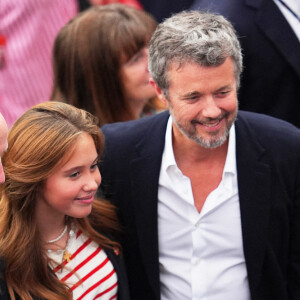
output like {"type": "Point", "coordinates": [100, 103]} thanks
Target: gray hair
{"type": "Point", "coordinates": [192, 36]}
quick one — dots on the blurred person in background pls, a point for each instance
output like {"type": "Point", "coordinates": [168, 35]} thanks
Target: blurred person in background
{"type": "Point", "coordinates": [55, 235]}
{"type": "Point", "coordinates": [269, 32]}
{"type": "Point", "coordinates": [100, 62]}
{"type": "Point", "coordinates": [159, 9]}
{"type": "Point", "coordinates": [132, 3]}
{"type": "Point", "coordinates": [27, 32]}
{"type": "Point", "coordinates": [162, 9]}
{"type": "Point", "coordinates": [3, 144]}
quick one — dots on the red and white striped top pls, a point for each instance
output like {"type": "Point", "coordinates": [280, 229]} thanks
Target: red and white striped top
{"type": "Point", "coordinates": [29, 28]}
{"type": "Point", "coordinates": [89, 273]}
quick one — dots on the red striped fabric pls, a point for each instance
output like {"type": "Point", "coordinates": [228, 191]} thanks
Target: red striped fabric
{"type": "Point", "coordinates": [106, 291]}
{"type": "Point", "coordinates": [82, 264]}
{"type": "Point", "coordinates": [87, 242]}
{"type": "Point", "coordinates": [97, 284]}
{"type": "Point", "coordinates": [89, 273]}
{"type": "Point", "coordinates": [94, 270]}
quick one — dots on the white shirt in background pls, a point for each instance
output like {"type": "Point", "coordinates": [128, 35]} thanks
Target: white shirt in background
{"type": "Point", "coordinates": [294, 5]}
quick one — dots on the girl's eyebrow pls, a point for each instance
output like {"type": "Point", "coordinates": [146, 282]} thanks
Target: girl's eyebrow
{"type": "Point", "coordinates": [79, 167]}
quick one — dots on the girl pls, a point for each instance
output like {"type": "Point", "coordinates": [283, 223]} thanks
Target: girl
{"type": "Point", "coordinates": [55, 237]}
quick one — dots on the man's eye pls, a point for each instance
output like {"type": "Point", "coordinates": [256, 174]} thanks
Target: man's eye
{"type": "Point", "coordinates": [193, 98]}
{"type": "Point", "coordinates": [224, 93]}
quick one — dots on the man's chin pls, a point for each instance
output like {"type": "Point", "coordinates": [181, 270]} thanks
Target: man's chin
{"type": "Point", "coordinates": [211, 142]}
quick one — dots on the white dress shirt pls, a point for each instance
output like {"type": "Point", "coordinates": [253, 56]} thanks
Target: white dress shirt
{"type": "Point", "coordinates": [294, 5]}
{"type": "Point", "coordinates": [200, 255]}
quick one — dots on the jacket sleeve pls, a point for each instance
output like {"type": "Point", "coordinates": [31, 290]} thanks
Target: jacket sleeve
{"type": "Point", "coordinates": [294, 258]}
{"type": "Point", "coordinates": [4, 295]}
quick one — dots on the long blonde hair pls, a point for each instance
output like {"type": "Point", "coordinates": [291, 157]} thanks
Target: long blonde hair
{"type": "Point", "coordinates": [38, 141]}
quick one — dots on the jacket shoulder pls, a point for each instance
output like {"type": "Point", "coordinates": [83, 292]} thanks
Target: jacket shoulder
{"type": "Point", "coordinates": [267, 129]}
{"type": "Point", "coordinates": [123, 131]}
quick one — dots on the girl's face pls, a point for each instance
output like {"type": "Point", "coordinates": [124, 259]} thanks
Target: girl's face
{"type": "Point", "coordinates": [135, 78]}
{"type": "Point", "coordinates": [70, 190]}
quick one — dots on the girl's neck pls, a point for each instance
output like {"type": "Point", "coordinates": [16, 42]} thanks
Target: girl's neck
{"type": "Point", "coordinates": [59, 241]}
{"type": "Point", "coordinates": [51, 228]}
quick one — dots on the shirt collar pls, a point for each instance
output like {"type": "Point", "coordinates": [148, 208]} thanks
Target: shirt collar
{"type": "Point", "coordinates": [168, 158]}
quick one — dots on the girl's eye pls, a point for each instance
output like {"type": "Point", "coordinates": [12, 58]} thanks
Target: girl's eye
{"type": "Point", "coordinates": [136, 58]}
{"type": "Point", "coordinates": [94, 166]}
{"type": "Point", "coordinates": [74, 175]}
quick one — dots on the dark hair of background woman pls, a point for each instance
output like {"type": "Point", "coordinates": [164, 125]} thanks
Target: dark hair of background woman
{"type": "Point", "coordinates": [87, 56]}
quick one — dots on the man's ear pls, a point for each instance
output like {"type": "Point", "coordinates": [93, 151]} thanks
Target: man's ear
{"type": "Point", "coordinates": [158, 91]}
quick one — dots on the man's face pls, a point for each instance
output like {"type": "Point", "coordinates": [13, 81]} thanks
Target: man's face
{"type": "Point", "coordinates": [3, 144]}
{"type": "Point", "coordinates": [202, 102]}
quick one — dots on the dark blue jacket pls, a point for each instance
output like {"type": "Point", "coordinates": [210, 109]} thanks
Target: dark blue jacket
{"type": "Point", "coordinates": [268, 170]}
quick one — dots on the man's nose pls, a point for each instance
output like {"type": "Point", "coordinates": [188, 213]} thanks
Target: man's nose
{"type": "Point", "coordinates": [211, 108]}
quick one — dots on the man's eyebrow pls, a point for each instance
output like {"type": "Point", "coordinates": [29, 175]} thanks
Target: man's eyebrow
{"type": "Point", "coordinates": [198, 94]}
{"type": "Point", "coordinates": [191, 94]}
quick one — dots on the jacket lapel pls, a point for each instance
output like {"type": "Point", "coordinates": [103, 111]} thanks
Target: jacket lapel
{"type": "Point", "coordinates": [282, 36]}
{"type": "Point", "coordinates": [145, 169]}
{"type": "Point", "coordinates": [117, 262]}
{"type": "Point", "coordinates": [254, 195]}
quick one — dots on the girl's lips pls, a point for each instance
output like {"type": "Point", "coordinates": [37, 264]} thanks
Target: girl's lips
{"type": "Point", "coordinates": [86, 200]}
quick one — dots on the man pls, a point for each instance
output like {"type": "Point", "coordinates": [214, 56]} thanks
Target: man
{"type": "Point", "coordinates": [208, 198]}
{"type": "Point", "coordinates": [269, 32]}
{"type": "Point", "coordinates": [3, 144]}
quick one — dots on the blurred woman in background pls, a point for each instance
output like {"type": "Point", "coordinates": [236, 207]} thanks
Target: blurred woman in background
{"type": "Point", "coordinates": [100, 61]}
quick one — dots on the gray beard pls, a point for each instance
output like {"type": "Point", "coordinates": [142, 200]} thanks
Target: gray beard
{"type": "Point", "coordinates": [211, 144]}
